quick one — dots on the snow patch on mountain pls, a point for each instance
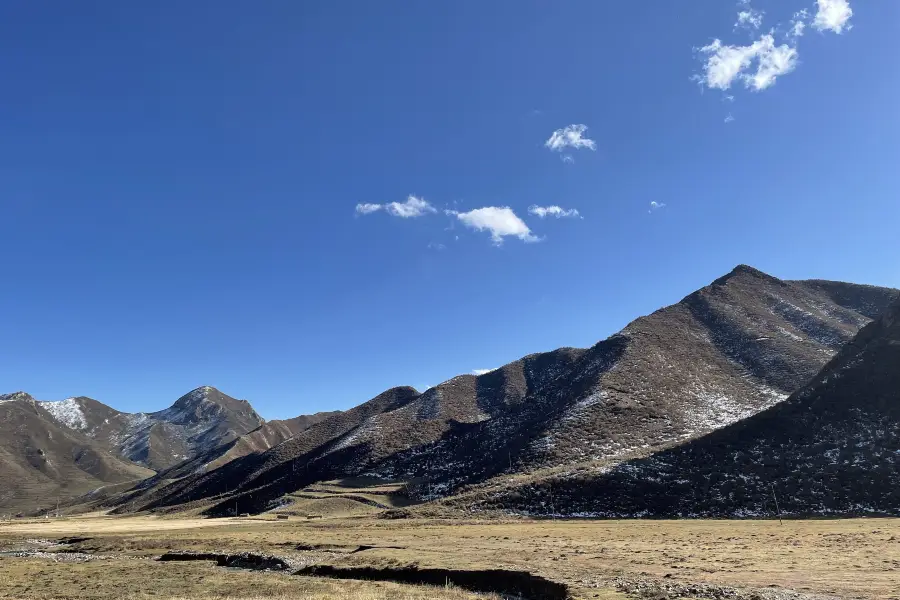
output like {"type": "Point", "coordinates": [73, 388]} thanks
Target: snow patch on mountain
{"type": "Point", "coordinates": [68, 412]}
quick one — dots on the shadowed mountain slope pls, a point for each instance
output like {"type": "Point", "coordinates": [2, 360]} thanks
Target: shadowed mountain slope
{"type": "Point", "coordinates": [833, 448]}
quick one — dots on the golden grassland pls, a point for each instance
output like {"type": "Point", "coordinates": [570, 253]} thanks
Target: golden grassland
{"type": "Point", "coordinates": [857, 558]}
{"type": "Point", "coordinates": [38, 579]}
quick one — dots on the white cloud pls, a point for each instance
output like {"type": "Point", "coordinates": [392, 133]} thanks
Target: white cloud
{"type": "Point", "coordinates": [367, 209]}
{"type": "Point", "coordinates": [413, 207]}
{"type": "Point", "coordinates": [567, 158]}
{"type": "Point", "coordinates": [500, 221]}
{"type": "Point", "coordinates": [654, 205]}
{"type": "Point", "coordinates": [798, 24]}
{"type": "Point", "coordinates": [774, 62]}
{"type": "Point", "coordinates": [436, 246]}
{"type": "Point", "coordinates": [552, 211]}
{"type": "Point", "coordinates": [725, 63]}
{"type": "Point", "coordinates": [729, 118]}
{"type": "Point", "coordinates": [833, 15]}
{"type": "Point", "coordinates": [749, 19]}
{"type": "Point", "coordinates": [571, 136]}
{"type": "Point", "coordinates": [728, 63]}
{"type": "Point", "coordinates": [483, 371]}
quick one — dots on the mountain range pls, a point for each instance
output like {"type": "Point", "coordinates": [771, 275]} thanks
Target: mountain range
{"type": "Point", "coordinates": [724, 353]}
{"type": "Point", "coordinates": [718, 361]}
{"type": "Point", "coordinates": [64, 449]}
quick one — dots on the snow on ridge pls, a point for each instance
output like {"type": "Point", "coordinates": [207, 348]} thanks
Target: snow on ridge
{"type": "Point", "coordinates": [68, 412]}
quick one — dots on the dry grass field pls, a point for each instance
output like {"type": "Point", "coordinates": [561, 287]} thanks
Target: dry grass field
{"type": "Point", "coordinates": [856, 558]}
{"type": "Point", "coordinates": [119, 579]}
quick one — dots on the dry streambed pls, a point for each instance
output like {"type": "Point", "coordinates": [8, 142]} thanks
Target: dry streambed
{"type": "Point", "coordinates": [513, 584]}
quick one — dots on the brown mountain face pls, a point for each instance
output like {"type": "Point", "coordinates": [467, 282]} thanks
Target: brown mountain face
{"type": "Point", "coordinates": [225, 479]}
{"type": "Point", "coordinates": [42, 459]}
{"type": "Point", "coordinates": [833, 448]}
{"type": "Point", "coordinates": [198, 422]}
{"type": "Point", "coordinates": [264, 437]}
{"type": "Point", "coordinates": [74, 446]}
{"type": "Point", "coordinates": [269, 435]}
{"type": "Point", "coordinates": [724, 353]}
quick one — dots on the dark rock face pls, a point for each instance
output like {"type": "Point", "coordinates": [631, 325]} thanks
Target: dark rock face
{"type": "Point", "coordinates": [833, 448]}
{"type": "Point", "coordinates": [726, 352]}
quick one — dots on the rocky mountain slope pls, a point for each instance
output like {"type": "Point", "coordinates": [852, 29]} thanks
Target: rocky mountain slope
{"type": "Point", "coordinates": [833, 448]}
{"type": "Point", "coordinates": [44, 455]}
{"type": "Point", "coordinates": [198, 422]}
{"type": "Point", "coordinates": [726, 352]}
{"type": "Point", "coordinates": [266, 436]}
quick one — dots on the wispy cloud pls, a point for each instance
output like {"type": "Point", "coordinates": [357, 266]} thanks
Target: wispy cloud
{"type": "Point", "coordinates": [571, 136]}
{"type": "Point", "coordinates": [729, 118]}
{"type": "Point", "coordinates": [413, 207]}
{"type": "Point", "coordinates": [567, 158]}
{"type": "Point", "coordinates": [654, 206]}
{"type": "Point", "coordinates": [367, 209]}
{"type": "Point", "coordinates": [483, 371]}
{"type": "Point", "coordinates": [552, 211]}
{"type": "Point", "coordinates": [758, 65]}
{"type": "Point", "coordinates": [500, 221]}
{"type": "Point", "coordinates": [749, 19]}
{"type": "Point", "coordinates": [725, 64]}
{"type": "Point", "coordinates": [436, 246]}
{"type": "Point", "coordinates": [798, 24]}
{"type": "Point", "coordinates": [833, 15]}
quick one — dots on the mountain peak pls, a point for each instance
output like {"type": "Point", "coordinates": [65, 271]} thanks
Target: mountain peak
{"type": "Point", "coordinates": [16, 396]}
{"type": "Point", "coordinates": [207, 404]}
{"type": "Point", "coordinates": [204, 391]}
{"type": "Point", "coordinates": [744, 272]}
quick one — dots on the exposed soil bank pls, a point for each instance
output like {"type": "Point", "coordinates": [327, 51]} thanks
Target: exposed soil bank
{"type": "Point", "coordinates": [245, 560]}
{"type": "Point", "coordinates": [498, 581]}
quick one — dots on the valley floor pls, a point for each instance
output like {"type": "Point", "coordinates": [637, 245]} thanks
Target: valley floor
{"type": "Point", "coordinates": [854, 558]}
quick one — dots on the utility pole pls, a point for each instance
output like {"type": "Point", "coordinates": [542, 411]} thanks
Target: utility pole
{"type": "Point", "coordinates": [777, 508]}
{"type": "Point", "coordinates": [552, 508]}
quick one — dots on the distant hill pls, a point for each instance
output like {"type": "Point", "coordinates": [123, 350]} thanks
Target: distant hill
{"type": "Point", "coordinates": [44, 456]}
{"type": "Point", "coordinates": [71, 447]}
{"type": "Point", "coordinates": [724, 353]}
{"type": "Point", "coordinates": [833, 448]}
{"type": "Point", "coordinates": [199, 421]}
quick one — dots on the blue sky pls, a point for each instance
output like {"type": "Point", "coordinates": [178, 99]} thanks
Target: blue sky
{"type": "Point", "coordinates": [180, 182]}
